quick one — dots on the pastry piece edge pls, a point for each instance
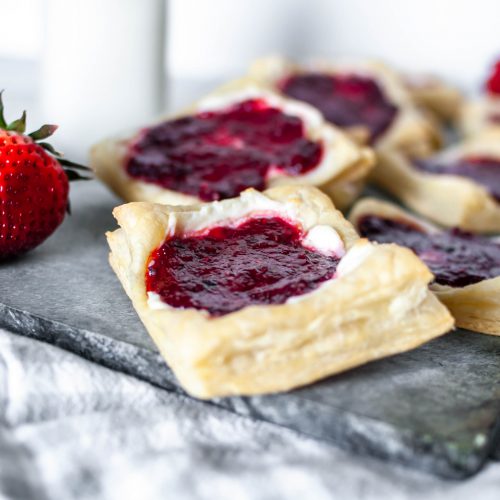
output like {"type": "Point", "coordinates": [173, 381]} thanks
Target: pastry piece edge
{"type": "Point", "coordinates": [401, 297]}
{"type": "Point", "coordinates": [474, 306]}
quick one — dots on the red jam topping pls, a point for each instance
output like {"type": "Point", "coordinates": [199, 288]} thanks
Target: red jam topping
{"type": "Point", "coordinates": [345, 100]}
{"type": "Point", "coordinates": [481, 169]}
{"type": "Point", "coordinates": [222, 270]}
{"type": "Point", "coordinates": [456, 258]}
{"type": "Point", "coordinates": [493, 83]}
{"type": "Point", "coordinates": [217, 154]}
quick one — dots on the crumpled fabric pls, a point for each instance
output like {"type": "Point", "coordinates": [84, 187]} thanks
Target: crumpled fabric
{"type": "Point", "coordinates": [71, 429]}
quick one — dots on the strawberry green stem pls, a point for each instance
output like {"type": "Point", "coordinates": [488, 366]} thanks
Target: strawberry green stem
{"type": "Point", "coordinates": [74, 171]}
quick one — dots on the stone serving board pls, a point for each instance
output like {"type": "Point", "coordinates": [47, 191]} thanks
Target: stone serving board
{"type": "Point", "coordinates": [436, 408]}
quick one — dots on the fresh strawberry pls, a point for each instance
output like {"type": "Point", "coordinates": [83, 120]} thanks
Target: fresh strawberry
{"type": "Point", "coordinates": [493, 82]}
{"type": "Point", "coordinates": [33, 186]}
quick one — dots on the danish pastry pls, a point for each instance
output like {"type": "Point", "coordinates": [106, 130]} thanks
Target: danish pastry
{"type": "Point", "coordinates": [458, 187]}
{"type": "Point", "coordinates": [240, 136]}
{"type": "Point", "coordinates": [466, 267]}
{"type": "Point", "coordinates": [268, 291]}
{"type": "Point", "coordinates": [365, 98]}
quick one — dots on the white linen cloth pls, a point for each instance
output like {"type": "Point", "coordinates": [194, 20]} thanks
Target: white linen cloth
{"type": "Point", "coordinates": [71, 429]}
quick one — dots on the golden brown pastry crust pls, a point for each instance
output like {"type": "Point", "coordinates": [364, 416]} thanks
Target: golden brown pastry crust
{"type": "Point", "coordinates": [411, 130]}
{"type": "Point", "coordinates": [475, 115]}
{"type": "Point", "coordinates": [435, 96]}
{"type": "Point", "coordinates": [344, 166]}
{"type": "Point", "coordinates": [379, 304]}
{"type": "Point", "coordinates": [449, 200]}
{"type": "Point", "coordinates": [475, 307]}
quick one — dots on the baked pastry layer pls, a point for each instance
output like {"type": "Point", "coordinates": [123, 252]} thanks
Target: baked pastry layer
{"type": "Point", "coordinates": [340, 173]}
{"type": "Point", "coordinates": [479, 115]}
{"type": "Point", "coordinates": [435, 96]}
{"type": "Point", "coordinates": [475, 306]}
{"type": "Point", "coordinates": [450, 200]}
{"type": "Point", "coordinates": [483, 113]}
{"type": "Point", "coordinates": [411, 130]}
{"type": "Point", "coordinates": [377, 304]}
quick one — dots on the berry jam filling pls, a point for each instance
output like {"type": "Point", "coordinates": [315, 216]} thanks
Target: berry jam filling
{"type": "Point", "coordinates": [346, 100]}
{"type": "Point", "coordinates": [217, 154]}
{"type": "Point", "coordinates": [456, 258]}
{"type": "Point", "coordinates": [261, 261]}
{"type": "Point", "coordinates": [481, 169]}
{"type": "Point", "coordinates": [493, 82]}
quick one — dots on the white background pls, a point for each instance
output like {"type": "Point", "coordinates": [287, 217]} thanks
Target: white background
{"type": "Point", "coordinates": [95, 81]}
{"type": "Point", "coordinates": [455, 38]}
{"type": "Point", "coordinates": [213, 39]}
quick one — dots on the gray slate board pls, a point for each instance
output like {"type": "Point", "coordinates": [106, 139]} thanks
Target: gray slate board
{"type": "Point", "coordinates": [436, 408]}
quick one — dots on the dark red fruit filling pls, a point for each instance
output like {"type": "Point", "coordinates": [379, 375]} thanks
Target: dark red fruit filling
{"type": "Point", "coordinates": [456, 258]}
{"type": "Point", "coordinates": [482, 169]}
{"type": "Point", "coordinates": [345, 100]}
{"type": "Point", "coordinates": [261, 261]}
{"type": "Point", "coordinates": [216, 155]}
{"type": "Point", "coordinates": [493, 82]}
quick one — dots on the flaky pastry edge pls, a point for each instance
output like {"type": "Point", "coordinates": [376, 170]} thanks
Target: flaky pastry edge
{"type": "Point", "coordinates": [447, 199]}
{"type": "Point", "coordinates": [475, 307]}
{"type": "Point", "coordinates": [379, 305]}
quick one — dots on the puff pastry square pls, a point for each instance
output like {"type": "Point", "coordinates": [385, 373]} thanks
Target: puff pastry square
{"type": "Point", "coordinates": [448, 199]}
{"type": "Point", "coordinates": [410, 130]}
{"type": "Point", "coordinates": [340, 172]}
{"type": "Point", "coordinates": [475, 306]}
{"type": "Point", "coordinates": [376, 304]}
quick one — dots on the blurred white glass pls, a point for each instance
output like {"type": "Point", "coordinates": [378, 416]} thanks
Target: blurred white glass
{"type": "Point", "coordinates": [103, 67]}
